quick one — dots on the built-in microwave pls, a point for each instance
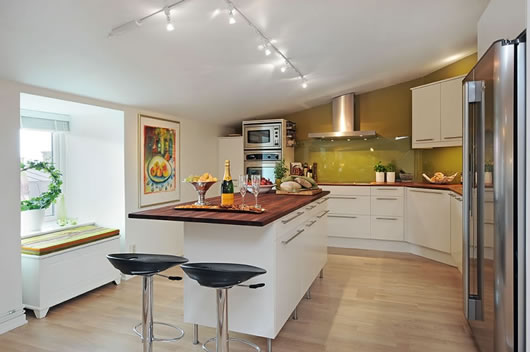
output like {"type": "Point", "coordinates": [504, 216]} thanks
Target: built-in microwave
{"type": "Point", "coordinates": [262, 135]}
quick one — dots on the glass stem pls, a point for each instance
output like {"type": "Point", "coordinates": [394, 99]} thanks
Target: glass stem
{"type": "Point", "coordinates": [256, 196]}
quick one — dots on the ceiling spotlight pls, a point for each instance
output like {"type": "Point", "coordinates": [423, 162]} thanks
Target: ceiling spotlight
{"type": "Point", "coordinates": [283, 68]}
{"type": "Point", "coordinates": [169, 25]}
{"type": "Point", "coordinates": [304, 82]}
{"type": "Point", "coordinates": [261, 47]}
{"type": "Point", "coordinates": [267, 50]}
{"type": "Point", "coordinates": [231, 18]}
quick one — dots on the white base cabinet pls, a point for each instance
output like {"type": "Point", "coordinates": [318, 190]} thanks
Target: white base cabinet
{"type": "Point", "coordinates": [425, 222]}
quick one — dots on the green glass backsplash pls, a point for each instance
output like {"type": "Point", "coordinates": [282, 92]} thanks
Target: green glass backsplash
{"type": "Point", "coordinates": [353, 161]}
{"type": "Point", "coordinates": [343, 161]}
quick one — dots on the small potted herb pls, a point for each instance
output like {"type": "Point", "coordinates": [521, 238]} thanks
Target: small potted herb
{"type": "Point", "coordinates": [390, 173]}
{"type": "Point", "coordinates": [280, 172]}
{"type": "Point", "coordinates": [380, 170]}
{"type": "Point", "coordinates": [488, 173]}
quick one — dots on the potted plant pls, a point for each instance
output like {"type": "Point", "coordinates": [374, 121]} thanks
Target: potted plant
{"type": "Point", "coordinates": [488, 173]}
{"type": "Point", "coordinates": [279, 172]}
{"type": "Point", "coordinates": [379, 172]}
{"type": "Point", "coordinates": [390, 173]}
{"type": "Point", "coordinates": [32, 210]}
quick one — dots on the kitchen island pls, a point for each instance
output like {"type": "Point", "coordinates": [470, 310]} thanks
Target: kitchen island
{"type": "Point", "coordinates": [289, 240]}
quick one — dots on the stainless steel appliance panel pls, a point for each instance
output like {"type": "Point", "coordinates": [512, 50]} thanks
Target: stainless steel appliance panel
{"type": "Point", "coordinates": [263, 135]}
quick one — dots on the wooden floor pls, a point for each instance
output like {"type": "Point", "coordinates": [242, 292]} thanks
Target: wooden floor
{"type": "Point", "coordinates": [367, 302]}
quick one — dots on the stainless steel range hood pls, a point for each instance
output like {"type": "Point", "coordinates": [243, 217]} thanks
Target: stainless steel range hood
{"type": "Point", "coordinates": [343, 114]}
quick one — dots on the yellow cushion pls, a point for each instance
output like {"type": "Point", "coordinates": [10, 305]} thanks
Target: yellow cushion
{"type": "Point", "coordinates": [57, 241]}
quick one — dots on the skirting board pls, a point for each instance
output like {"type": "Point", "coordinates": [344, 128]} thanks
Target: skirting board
{"type": "Point", "coordinates": [14, 320]}
{"type": "Point", "coordinates": [391, 246]}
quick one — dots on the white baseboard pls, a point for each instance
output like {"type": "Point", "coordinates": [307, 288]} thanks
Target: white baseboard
{"type": "Point", "coordinates": [15, 319]}
{"type": "Point", "coordinates": [391, 246]}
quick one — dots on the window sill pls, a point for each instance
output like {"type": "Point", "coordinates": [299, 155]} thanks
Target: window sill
{"type": "Point", "coordinates": [52, 226]}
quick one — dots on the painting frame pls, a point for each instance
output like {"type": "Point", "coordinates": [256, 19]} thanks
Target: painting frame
{"type": "Point", "coordinates": [152, 193]}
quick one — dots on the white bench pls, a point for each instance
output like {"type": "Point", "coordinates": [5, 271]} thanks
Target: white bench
{"type": "Point", "coordinates": [50, 279]}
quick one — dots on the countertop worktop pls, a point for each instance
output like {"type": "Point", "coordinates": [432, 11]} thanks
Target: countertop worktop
{"type": "Point", "coordinates": [276, 206]}
{"type": "Point", "coordinates": [457, 188]}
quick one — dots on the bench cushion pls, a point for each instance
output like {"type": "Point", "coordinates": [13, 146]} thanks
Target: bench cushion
{"type": "Point", "coordinates": [58, 241]}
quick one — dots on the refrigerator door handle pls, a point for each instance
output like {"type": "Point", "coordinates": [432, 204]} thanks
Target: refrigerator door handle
{"type": "Point", "coordinates": [473, 94]}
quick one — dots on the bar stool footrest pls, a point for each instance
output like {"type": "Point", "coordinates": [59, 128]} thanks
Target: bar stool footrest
{"type": "Point", "coordinates": [156, 339]}
{"type": "Point", "coordinates": [248, 343]}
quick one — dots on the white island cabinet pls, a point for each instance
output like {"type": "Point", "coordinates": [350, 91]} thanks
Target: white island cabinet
{"type": "Point", "coordinates": [289, 241]}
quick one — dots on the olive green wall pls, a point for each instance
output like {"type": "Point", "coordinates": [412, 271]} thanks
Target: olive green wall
{"type": "Point", "coordinates": [389, 112]}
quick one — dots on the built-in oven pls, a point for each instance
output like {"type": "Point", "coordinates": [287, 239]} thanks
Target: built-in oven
{"type": "Point", "coordinates": [262, 135]}
{"type": "Point", "coordinates": [262, 163]}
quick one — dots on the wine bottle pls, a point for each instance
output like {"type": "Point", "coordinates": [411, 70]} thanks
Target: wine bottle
{"type": "Point", "coordinates": [227, 187]}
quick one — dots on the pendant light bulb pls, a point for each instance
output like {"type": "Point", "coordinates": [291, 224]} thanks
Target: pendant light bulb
{"type": "Point", "coordinates": [304, 82]}
{"type": "Point", "coordinates": [268, 52]}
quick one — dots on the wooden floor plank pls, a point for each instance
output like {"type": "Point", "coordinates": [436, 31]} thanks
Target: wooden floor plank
{"type": "Point", "coordinates": [367, 301]}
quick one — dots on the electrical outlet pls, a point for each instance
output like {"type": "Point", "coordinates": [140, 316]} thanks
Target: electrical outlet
{"type": "Point", "coordinates": [132, 248]}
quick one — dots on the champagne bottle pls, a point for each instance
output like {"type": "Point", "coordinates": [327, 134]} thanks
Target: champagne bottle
{"type": "Point", "coordinates": [227, 187]}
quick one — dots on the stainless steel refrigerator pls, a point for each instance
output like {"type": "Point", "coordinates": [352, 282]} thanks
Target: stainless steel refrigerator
{"type": "Point", "coordinates": [494, 197]}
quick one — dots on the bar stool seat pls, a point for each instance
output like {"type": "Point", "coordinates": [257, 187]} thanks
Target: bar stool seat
{"type": "Point", "coordinates": [223, 276]}
{"type": "Point", "coordinates": [148, 265]}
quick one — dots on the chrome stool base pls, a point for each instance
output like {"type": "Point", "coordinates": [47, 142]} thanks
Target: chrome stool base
{"type": "Point", "coordinates": [156, 339]}
{"type": "Point", "coordinates": [248, 343]}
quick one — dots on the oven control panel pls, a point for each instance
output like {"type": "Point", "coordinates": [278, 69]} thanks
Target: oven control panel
{"type": "Point", "coordinates": [263, 156]}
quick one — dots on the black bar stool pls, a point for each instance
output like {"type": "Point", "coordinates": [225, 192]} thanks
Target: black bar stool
{"type": "Point", "coordinates": [222, 277]}
{"type": "Point", "coordinates": [147, 265]}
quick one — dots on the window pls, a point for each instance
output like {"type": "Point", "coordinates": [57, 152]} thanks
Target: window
{"type": "Point", "coordinates": [42, 139]}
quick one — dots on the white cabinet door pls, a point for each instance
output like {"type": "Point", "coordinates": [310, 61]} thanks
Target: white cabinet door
{"type": "Point", "coordinates": [347, 225]}
{"type": "Point", "coordinates": [428, 219]}
{"type": "Point", "coordinates": [456, 230]}
{"type": "Point", "coordinates": [426, 115]}
{"type": "Point", "coordinates": [451, 112]}
{"type": "Point", "coordinates": [387, 228]}
{"type": "Point", "coordinates": [289, 255]}
{"type": "Point", "coordinates": [358, 205]}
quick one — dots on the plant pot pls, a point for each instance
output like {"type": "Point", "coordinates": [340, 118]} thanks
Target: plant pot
{"type": "Point", "coordinates": [391, 177]}
{"type": "Point", "coordinates": [380, 177]}
{"type": "Point", "coordinates": [31, 220]}
{"type": "Point", "coordinates": [488, 178]}
{"type": "Point", "coordinates": [278, 183]}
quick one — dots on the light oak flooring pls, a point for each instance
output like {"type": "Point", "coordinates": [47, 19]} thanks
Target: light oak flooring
{"type": "Point", "coordinates": [367, 301]}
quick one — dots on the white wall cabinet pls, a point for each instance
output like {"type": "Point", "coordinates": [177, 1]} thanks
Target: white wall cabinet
{"type": "Point", "coordinates": [428, 212]}
{"type": "Point", "coordinates": [437, 114]}
{"type": "Point", "coordinates": [456, 229]}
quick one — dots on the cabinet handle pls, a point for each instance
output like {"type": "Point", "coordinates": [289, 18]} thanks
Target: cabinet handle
{"type": "Point", "coordinates": [386, 199]}
{"type": "Point", "coordinates": [324, 213]}
{"type": "Point", "coordinates": [489, 222]}
{"type": "Point", "coordinates": [342, 216]}
{"type": "Point", "coordinates": [311, 207]}
{"type": "Point", "coordinates": [387, 189]}
{"type": "Point", "coordinates": [339, 197]}
{"type": "Point", "coordinates": [452, 195]}
{"type": "Point", "coordinates": [323, 200]}
{"type": "Point", "coordinates": [431, 192]}
{"type": "Point", "coordinates": [311, 223]}
{"type": "Point", "coordinates": [294, 217]}
{"type": "Point", "coordinates": [386, 218]}
{"type": "Point", "coordinates": [295, 235]}
{"type": "Point", "coordinates": [458, 198]}
{"type": "Point", "coordinates": [453, 137]}
{"type": "Point", "coordinates": [425, 140]}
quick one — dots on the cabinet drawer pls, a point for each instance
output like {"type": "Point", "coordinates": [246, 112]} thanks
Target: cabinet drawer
{"type": "Point", "coordinates": [347, 190]}
{"type": "Point", "coordinates": [344, 225]}
{"type": "Point", "coordinates": [390, 206]}
{"type": "Point", "coordinates": [291, 221]}
{"type": "Point", "coordinates": [358, 205]}
{"type": "Point", "coordinates": [387, 228]}
{"type": "Point", "coordinates": [387, 191]}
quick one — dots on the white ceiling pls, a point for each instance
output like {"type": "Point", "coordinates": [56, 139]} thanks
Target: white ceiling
{"type": "Point", "coordinates": [207, 69]}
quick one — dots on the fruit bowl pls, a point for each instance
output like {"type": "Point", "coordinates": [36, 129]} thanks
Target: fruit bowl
{"type": "Point", "coordinates": [439, 178]}
{"type": "Point", "coordinates": [262, 188]}
{"type": "Point", "coordinates": [201, 188]}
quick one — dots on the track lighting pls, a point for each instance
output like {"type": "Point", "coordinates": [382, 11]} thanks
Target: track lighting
{"type": "Point", "coordinates": [169, 26]}
{"type": "Point", "coordinates": [231, 13]}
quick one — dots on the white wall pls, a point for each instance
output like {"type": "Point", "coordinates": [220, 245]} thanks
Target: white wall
{"type": "Point", "coordinates": [198, 154]}
{"type": "Point", "coordinates": [502, 19]}
{"type": "Point", "coordinates": [11, 288]}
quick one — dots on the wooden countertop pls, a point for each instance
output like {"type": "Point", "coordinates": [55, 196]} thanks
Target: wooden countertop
{"type": "Point", "coordinates": [457, 188]}
{"type": "Point", "coordinates": [276, 206]}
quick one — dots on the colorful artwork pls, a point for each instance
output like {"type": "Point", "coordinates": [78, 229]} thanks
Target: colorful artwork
{"type": "Point", "coordinates": [159, 159]}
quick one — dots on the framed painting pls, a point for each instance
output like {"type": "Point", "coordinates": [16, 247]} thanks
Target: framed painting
{"type": "Point", "coordinates": [159, 160]}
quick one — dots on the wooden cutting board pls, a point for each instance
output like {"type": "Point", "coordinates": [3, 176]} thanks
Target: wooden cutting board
{"type": "Point", "coordinates": [307, 192]}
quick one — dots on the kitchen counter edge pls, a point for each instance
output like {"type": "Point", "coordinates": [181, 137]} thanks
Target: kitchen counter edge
{"type": "Point", "coordinates": [456, 188]}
